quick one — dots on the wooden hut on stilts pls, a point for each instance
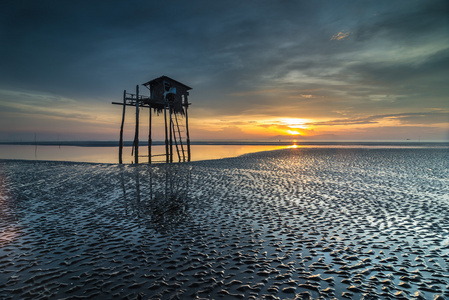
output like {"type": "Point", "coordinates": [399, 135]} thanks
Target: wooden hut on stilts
{"type": "Point", "coordinates": [169, 97]}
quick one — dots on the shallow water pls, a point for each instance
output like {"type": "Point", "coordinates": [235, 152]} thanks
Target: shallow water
{"type": "Point", "coordinates": [110, 154]}
{"type": "Point", "coordinates": [344, 223]}
{"type": "Point", "coordinates": [107, 152]}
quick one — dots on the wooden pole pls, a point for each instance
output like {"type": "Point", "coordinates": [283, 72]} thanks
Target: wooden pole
{"type": "Point", "coordinates": [166, 133]}
{"type": "Point", "coordinates": [136, 136]}
{"type": "Point", "coordinates": [120, 146]}
{"type": "Point", "coordinates": [149, 138]}
{"type": "Point", "coordinates": [187, 128]}
{"type": "Point", "coordinates": [171, 135]}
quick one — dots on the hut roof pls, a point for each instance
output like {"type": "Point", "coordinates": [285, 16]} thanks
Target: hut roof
{"type": "Point", "coordinates": [159, 79]}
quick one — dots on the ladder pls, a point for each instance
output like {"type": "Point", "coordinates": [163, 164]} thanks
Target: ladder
{"type": "Point", "coordinates": [179, 137]}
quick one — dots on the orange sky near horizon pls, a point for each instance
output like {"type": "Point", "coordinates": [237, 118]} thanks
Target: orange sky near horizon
{"type": "Point", "coordinates": [102, 121]}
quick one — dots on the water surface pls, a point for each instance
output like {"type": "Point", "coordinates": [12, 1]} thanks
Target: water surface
{"type": "Point", "coordinates": [104, 152]}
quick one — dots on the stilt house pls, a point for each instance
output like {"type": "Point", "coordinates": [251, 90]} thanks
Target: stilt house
{"type": "Point", "coordinates": [170, 97]}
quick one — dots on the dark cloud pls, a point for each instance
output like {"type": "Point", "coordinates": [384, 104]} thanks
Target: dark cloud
{"type": "Point", "coordinates": [55, 46]}
{"type": "Point", "coordinates": [238, 43]}
{"type": "Point", "coordinates": [432, 67]}
{"type": "Point", "coordinates": [407, 21]}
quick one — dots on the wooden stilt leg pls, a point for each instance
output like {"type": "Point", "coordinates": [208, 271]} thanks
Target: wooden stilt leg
{"type": "Point", "coordinates": [136, 136]}
{"type": "Point", "coordinates": [149, 138]}
{"type": "Point", "coordinates": [187, 129]}
{"type": "Point", "coordinates": [120, 147]}
{"type": "Point", "coordinates": [171, 136]}
{"type": "Point", "coordinates": [166, 136]}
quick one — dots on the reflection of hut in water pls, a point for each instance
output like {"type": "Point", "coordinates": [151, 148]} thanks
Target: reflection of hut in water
{"type": "Point", "coordinates": [167, 210]}
{"type": "Point", "coordinates": [159, 197]}
{"type": "Point", "coordinates": [168, 96]}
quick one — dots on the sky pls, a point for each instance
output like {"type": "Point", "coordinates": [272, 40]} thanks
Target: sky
{"type": "Point", "coordinates": [309, 70]}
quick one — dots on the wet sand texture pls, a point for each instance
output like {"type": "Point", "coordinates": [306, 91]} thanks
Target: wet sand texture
{"type": "Point", "coordinates": [288, 224]}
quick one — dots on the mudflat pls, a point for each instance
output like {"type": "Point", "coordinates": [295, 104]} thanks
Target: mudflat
{"type": "Point", "coordinates": [294, 223]}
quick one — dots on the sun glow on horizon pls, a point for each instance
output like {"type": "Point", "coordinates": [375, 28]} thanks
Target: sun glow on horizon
{"type": "Point", "coordinates": [295, 122]}
{"type": "Point", "coordinates": [293, 132]}
{"type": "Point", "coordinates": [291, 126]}
{"type": "Point", "coordinates": [256, 127]}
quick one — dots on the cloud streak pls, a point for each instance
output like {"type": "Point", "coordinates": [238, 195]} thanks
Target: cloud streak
{"type": "Point", "coordinates": [340, 36]}
{"type": "Point", "coordinates": [424, 118]}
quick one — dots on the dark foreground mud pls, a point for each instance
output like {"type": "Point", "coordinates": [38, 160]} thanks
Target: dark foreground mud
{"type": "Point", "coordinates": [297, 223]}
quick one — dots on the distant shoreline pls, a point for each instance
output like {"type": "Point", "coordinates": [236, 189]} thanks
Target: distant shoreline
{"type": "Point", "coordinates": [231, 142]}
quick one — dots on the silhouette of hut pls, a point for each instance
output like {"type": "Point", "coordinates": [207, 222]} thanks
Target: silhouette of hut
{"type": "Point", "coordinates": [164, 89]}
{"type": "Point", "coordinates": [170, 97]}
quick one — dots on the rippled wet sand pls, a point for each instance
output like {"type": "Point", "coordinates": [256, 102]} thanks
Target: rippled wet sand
{"type": "Point", "coordinates": [288, 224]}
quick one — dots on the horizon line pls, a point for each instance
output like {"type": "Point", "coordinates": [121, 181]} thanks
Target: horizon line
{"type": "Point", "coordinates": [114, 143]}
